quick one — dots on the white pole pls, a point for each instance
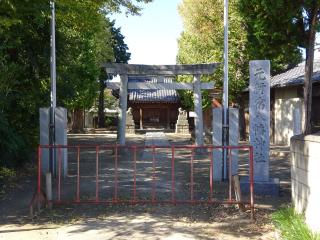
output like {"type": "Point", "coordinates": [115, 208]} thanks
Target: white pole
{"type": "Point", "coordinates": [225, 88]}
{"type": "Point", "coordinates": [53, 56]}
{"type": "Point", "coordinates": [53, 100]}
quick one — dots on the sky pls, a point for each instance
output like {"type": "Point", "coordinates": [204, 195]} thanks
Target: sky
{"type": "Point", "coordinates": [152, 37]}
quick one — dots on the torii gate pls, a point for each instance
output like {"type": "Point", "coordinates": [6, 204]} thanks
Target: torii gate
{"type": "Point", "coordinates": [159, 72]}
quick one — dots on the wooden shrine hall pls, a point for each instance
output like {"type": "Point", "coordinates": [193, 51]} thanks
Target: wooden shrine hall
{"type": "Point", "coordinates": [153, 108]}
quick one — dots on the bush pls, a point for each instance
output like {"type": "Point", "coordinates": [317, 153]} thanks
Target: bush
{"type": "Point", "coordinates": [292, 225]}
{"type": "Point", "coordinates": [6, 175]}
{"type": "Point", "coordinates": [12, 146]}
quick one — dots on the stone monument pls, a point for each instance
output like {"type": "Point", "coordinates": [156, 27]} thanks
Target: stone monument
{"type": "Point", "coordinates": [259, 110]}
{"type": "Point", "coordinates": [182, 125]}
{"type": "Point", "coordinates": [130, 129]}
{"type": "Point", "coordinates": [217, 140]}
{"type": "Point", "coordinates": [60, 134]}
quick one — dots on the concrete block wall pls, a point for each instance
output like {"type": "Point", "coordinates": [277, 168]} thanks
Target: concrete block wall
{"type": "Point", "coordinates": [305, 177]}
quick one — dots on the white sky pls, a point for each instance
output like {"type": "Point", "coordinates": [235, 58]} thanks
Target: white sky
{"type": "Point", "coordinates": [152, 37]}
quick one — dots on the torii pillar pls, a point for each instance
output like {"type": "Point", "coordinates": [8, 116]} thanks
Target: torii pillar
{"type": "Point", "coordinates": [123, 104]}
{"type": "Point", "coordinates": [198, 120]}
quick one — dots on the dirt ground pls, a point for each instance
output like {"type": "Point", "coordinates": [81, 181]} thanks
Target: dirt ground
{"type": "Point", "coordinates": [140, 222]}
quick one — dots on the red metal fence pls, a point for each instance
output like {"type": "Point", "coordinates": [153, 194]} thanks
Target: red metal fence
{"type": "Point", "coordinates": [115, 174]}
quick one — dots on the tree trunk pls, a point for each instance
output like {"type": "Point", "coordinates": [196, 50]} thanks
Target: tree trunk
{"type": "Point", "coordinates": [307, 92]}
{"type": "Point", "coordinates": [78, 121]}
{"type": "Point", "coordinates": [101, 116]}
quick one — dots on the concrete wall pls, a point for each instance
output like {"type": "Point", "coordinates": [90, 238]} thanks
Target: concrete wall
{"type": "Point", "coordinates": [305, 167]}
{"type": "Point", "coordinates": [287, 115]}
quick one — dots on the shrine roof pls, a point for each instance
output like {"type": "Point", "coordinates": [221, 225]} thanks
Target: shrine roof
{"type": "Point", "coordinates": [294, 76]}
{"type": "Point", "coordinates": [152, 96]}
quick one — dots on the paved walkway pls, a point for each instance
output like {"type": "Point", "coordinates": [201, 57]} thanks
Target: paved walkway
{"type": "Point", "coordinates": [156, 139]}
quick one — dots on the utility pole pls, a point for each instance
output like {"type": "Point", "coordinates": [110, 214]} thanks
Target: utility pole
{"type": "Point", "coordinates": [225, 116]}
{"type": "Point", "coordinates": [53, 76]}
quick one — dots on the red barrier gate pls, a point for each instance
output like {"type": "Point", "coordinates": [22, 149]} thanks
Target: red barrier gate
{"type": "Point", "coordinates": [143, 175]}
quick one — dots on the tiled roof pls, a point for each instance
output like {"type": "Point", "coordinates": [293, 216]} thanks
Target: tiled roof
{"type": "Point", "coordinates": [294, 76]}
{"type": "Point", "coordinates": [152, 96]}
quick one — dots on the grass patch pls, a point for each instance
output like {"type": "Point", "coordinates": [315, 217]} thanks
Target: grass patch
{"type": "Point", "coordinates": [292, 225]}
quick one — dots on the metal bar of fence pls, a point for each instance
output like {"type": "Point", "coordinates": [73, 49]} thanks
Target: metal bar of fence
{"type": "Point", "coordinates": [78, 174]}
{"type": "Point", "coordinates": [230, 173]}
{"type": "Point", "coordinates": [134, 174]}
{"type": "Point", "coordinates": [191, 174]}
{"type": "Point", "coordinates": [251, 182]}
{"type": "Point", "coordinates": [39, 170]}
{"type": "Point", "coordinates": [144, 147]}
{"type": "Point", "coordinates": [59, 174]}
{"type": "Point", "coordinates": [153, 174]}
{"type": "Point", "coordinates": [148, 202]}
{"type": "Point", "coordinates": [173, 198]}
{"type": "Point", "coordinates": [211, 174]}
{"type": "Point", "coordinates": [97, 173]}
{"type": "Point", "coordinates": [116, 174]}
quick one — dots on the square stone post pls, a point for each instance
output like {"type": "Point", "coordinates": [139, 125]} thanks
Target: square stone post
{"type": "Point", "coordinates": [198, 120]}
{"type": "Point", "coordinates": [217, 140]}
{"type": "Point", "coordinates": [123, 108]}
{"type": "Point", "coordinates": [259, 110]}
{"type": "Point", "coordinates": [60, 119]}
{"type": "Point", "coordinates": [141, 119]}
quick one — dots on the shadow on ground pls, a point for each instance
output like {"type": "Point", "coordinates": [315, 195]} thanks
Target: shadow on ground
{"type": "Point", "coordinates": [142, 222]}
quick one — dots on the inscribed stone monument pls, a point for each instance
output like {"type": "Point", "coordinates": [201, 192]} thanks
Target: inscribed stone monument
{"type": "Point", "coordinates": [259, 110]}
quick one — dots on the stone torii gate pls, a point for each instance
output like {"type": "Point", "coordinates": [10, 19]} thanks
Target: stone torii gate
{"type": "Point", "coordinates": [160, 72]}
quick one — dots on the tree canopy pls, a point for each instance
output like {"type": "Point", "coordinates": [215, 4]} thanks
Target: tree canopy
{"type": "Point", "coordinates": [249, 37]}
{"type": "Point", "coordinates": [84, 41]}
{"type": "Point", "coordinates": [288, 24]}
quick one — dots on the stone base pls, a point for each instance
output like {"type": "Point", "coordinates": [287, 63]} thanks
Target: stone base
{"type": "Point", "coordinates": [184, 129]}
{"type": "Point", "coordinates": [130, 129]}
{"type": "Point", "coordinates": [268, 188]}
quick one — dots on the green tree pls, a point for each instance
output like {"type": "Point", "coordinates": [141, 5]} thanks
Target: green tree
{"type": "Point", "coordinates": [121, 55]}
{"type": "Point", "coordinates": [257, 30]}
{"type": "Point", "coordinates": [288, 24]}
{"type": "Point", "coordinates": [83, 38]}
{"type": "Point", "coordinates": [202, 42]}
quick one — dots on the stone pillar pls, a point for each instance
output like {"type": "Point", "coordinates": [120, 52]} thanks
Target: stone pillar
{"type": "Point", "coordinates": [217, 140]}
{"type": "Point", "coordinates": [60, 138]}
{"type": "Point", "coordinates": [44, 115]}
{"type": "Point", "coordinates": [141, 123]}
{"type": "Point", "coordinates": [259, 126]}
{"type": "Point", "coordinates": [123, 109]}
{"type": "Point", "coordinates": [198, 120]}
{"type": "Point", "coordinates": [297, 127]}
{"type": "Point", "coordinates": [234, 137]}
{"type": "Point", "coordinates": [168, 117]}
{"type": "Point", "coordinates": [259, 110]}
